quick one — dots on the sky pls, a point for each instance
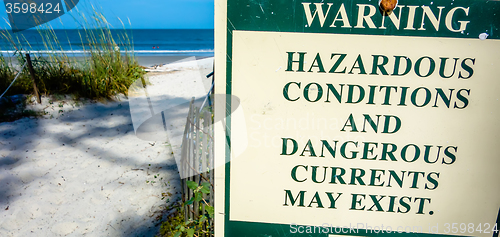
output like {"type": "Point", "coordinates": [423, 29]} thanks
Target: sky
{"type": "Point", "coordinates": [143, 14]}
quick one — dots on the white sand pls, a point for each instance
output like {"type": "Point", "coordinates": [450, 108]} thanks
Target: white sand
{"type": "Point", "coordinates": [82, 171]}
{"type": "Point", "coordinates": [161, 109]}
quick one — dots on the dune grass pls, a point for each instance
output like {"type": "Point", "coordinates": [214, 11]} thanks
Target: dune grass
{"type": "Point", "coordinates": [105, 71]}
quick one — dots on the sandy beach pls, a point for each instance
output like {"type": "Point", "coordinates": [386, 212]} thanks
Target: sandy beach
{"type": "Point", "coordinates": [81, 170]}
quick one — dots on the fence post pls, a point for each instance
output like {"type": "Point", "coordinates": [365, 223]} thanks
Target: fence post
{"type": "Point", "coordinates": [32, 73]}
{"type": "Point", "coordinates": [185, 159]}
{"type": "Point", "coordinates": [196, 158]}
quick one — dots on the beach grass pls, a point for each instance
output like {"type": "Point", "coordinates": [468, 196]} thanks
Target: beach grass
{"type": "Point", "coordinates": [105, 71]}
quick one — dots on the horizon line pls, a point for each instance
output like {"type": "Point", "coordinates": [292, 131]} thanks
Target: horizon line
{"type": "Point", "coordinates": [121, 29]}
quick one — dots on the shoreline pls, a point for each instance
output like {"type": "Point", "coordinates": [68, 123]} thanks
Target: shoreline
{"type": "Point", "coordinates": [149, 61]}
{"type": "Point", "coordinates": [146, 60]}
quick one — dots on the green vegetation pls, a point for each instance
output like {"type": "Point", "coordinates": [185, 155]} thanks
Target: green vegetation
{"type": "Point", "coordinates": [202, 225]}
{"type": "Point", "coordinates": [104, 72]}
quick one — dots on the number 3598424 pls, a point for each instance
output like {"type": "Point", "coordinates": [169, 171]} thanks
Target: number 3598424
{"type": "Point", "coordinates": [470, 228]}
{"type": "Point", "coordinates": [26, 8]}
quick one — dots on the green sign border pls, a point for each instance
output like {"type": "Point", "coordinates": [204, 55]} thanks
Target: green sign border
{"type": "Point", "coordinates": [288, 16]}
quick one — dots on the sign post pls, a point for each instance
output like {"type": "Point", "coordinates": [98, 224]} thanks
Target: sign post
{"type": "Point", "coordinates": [353, 122]}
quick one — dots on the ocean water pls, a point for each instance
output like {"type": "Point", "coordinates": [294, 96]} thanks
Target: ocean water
{"type": "Point", "coordinates": [154, 42]}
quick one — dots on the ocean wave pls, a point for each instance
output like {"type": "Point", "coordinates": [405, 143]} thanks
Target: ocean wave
{"type": "Point", "coordinates": [85, 52]}
{"type": "Point", "coordinates": [175, 51]}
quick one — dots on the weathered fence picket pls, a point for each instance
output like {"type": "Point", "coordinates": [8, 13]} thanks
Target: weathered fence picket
{"type": "Point", "coordinates": [197, 160]}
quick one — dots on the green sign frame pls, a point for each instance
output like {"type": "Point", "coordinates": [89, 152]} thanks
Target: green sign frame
{"type": "Point", "coordinates": [288, 16]}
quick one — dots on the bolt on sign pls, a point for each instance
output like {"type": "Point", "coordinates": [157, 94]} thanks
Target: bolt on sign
{"type": "Point", "coordinates": [356, 120]}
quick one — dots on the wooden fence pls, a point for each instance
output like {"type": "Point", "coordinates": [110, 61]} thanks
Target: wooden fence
{"type": "Point", "coordinates": [197, 159]}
